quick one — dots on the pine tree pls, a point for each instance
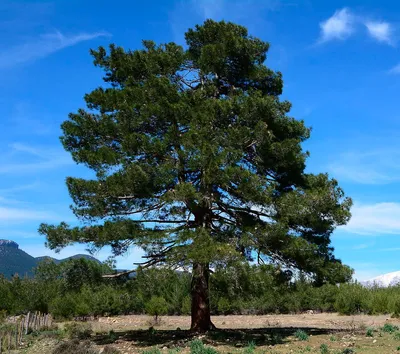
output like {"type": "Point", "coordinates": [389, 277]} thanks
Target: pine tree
{"type": "Point", "coordinates": [197, 161]}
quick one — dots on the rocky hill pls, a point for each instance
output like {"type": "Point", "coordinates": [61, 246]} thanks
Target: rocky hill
{"type": "Point", "coordinates": [13, 260]}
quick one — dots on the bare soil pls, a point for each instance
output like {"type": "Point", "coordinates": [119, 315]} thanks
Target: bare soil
{"type": "Point", "coordinates": [270, 334]}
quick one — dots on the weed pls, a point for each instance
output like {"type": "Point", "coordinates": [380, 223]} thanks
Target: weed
{"type": "Point", "coordinates": [389, 328]}
{"type": "Point", "coordinates": [396, 335]}
{"type": "Point", "coordinates": [333, 338]}
{"type": "Point", "coordinates": [251, 346]}
{"type": "Point", "coordinates": [348, 351]}
{"type": "Point", "coordinates": [197, 347]}
{"type": "Point", "coordinates": [324, 349]}
{"type": "Point", "coordinates": [370, 332]}
{"type": "Point", "coordinates": [301, 335]}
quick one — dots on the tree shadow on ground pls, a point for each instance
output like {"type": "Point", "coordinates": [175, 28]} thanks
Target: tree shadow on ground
{"type": "Point", "coordinates": [228, 337]}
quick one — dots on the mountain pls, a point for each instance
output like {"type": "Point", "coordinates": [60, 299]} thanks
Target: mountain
{"type": "Point", "coordinates": [13, 260]}
{"type": "Point", "coordinates": [384, 280]}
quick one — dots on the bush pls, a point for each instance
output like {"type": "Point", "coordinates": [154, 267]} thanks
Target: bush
{"type": "Point", "coordinates": [389, 328]}
{"type": "Point", "coordinates": [75, 347]}
{"type": "Point", "coordinates": [197, 347]}
{"type": "Point", "coordinates": [157, 306]}
{"type": "Point", "coordinates": [75, 330]}
{"type": "Point", "coordinates": [370, 332]}
{"type": "Point", "coordinates": [186, 306]}
{"type": "Point", "coordinates": [351, 299]}
{"type": "Point", "coordinates": [301, 335]}
{"type": "Point", "coordinates": [324, 349]}
{"type": "Point", "coordinates": [224, 306]}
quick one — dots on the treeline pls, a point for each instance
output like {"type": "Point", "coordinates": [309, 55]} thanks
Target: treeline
{"type": "Point", "coordinates": [77, 288]}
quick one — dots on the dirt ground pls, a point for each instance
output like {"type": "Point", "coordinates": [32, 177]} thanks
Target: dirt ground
{"type": "Point", "coordinates": [321, 320]}
{"type": "Point", "coordinates": [274, 334]}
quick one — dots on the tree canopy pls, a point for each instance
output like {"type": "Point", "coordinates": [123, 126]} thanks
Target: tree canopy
{"type": "Point", "coordinates": [198, 162]}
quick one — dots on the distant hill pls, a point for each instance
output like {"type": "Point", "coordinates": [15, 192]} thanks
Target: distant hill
{"type": "Point", "coordinates": [13, 260]}
{"type": "Point", "coordinates": [77, 256]}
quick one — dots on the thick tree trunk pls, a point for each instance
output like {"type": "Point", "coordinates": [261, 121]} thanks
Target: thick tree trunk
{"type": "Point", "coordinates": [201, 317]}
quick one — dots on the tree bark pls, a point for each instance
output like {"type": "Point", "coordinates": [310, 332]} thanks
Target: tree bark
{"type": "Point", "coordinates": [201, 317]}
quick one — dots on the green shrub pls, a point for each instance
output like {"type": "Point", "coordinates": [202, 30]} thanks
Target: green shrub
{"type": "Point", "coordinates": [348, 351]}
{"type": "Point", "coordinates": [251, 347]}
{"type": "Point", "coordinates": [301, 335]}
{"type": "Point", "coordinates": [78, 330]}
{"type": "Point", "coordinates": [370, 332]}
{"type": "Point", "coordinates": [324, 349]}
{"type": "Point", "coordinates": [224, 306]}
{"type": "Point", "coordinates": [351, 299]}
{"type": "Point", "coordinates": [186, 305]}
{"type": "Point", "coordinates": [75, 347]}
{"type": "Point", "coordinates": [389, 328]}
{"type": "Point", "coordinates": [197, 347]}
{"type": "Point", "coordinates": [157, 306]}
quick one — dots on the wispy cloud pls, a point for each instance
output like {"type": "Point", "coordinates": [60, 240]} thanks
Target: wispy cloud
{"type": "Point", "coordinates": [363, 246]}
{"type": "Point", "coordinates": [381, 31]}
{"type": "Point", "coordinates": [395, 70]}
{"type": "Point", "coordinates": [22, 158]}
{"type": "Point", "coordinates": [20, 215]}
{"type": "Point", "coordinates": [374, 219]}
{"type": "Point", "coordinates": [337, 27]}
{"type": "Point", "coordinates": [369, 167]}
{"type": "Point", "coordinates": [42, 46]}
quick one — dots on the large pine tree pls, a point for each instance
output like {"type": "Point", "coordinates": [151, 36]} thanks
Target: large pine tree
{"type": "Point", "coordinates": [198, 163]}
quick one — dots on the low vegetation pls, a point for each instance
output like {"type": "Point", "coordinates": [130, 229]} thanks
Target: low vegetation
{"type": "Point", "coordinates": [76, 289]}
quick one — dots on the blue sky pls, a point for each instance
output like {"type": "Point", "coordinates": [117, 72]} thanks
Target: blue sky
{"type": "Point", "coordinates": [341, 67]}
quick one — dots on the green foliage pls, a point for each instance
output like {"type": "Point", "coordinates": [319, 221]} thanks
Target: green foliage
{"type": "Point", "coordinates": [301, 335]}
{"type": "Point", "coordinates": [251, 347]}
{"type": "Point", "coordinates": [370, 332]}
{"type": "Point", "coordinates": [389, 328]}
{"type": "Point", "coordinates": [351, 299]}
{"type": "Point", "coordinates": [78, 330]}
{"type": "Point", "coordinates": [157, 306]}
{"type": "Point", "coordinates": [333, 338]}
{"type": "Point", "coordinates": [348, 351]}
{"type": "Point", "coordinates": [396, 335]}
{"type": "Point", "coordinates": [197, 347]}
{"type": "Point", "coordinates": [197, 141]}
{"type": "Point", "coordinates": [324, 349]}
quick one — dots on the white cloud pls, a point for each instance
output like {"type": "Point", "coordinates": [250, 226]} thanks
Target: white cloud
{"type": "Point", "coordinates": [378, 166]}
{"type": "Point", "coordinates": [381, 31]}
{"type": "Point", "coordinates": [339, 26]}
{"type": "Point", "coordinates": [42, 46]}
{"type": "Point", "coordinates": [374, 219]}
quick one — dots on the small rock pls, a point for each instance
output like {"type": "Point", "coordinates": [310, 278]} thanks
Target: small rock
{"type": "Point", "coordinates": [374, 341]}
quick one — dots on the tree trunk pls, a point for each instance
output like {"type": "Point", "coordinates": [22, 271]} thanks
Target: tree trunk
{"type": "Point", "coordinates": [201, 318]}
